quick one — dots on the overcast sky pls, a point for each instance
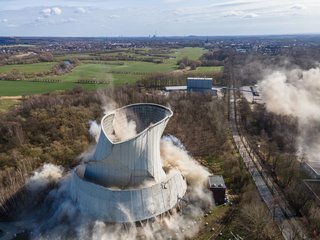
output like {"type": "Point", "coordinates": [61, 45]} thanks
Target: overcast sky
{"type": "Point", "coordinates": [161, 17]}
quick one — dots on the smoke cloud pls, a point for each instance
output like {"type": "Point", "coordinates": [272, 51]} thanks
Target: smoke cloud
{"type": "Point", "coordinates": [297, 93]}
{"type": "Point", "coordinates": [94, 130]}
{"type": "Point", "coordinates": [46, 174]}
{"type": "Point", "coordinates": [123, 129]}
{"type": "Point", "coordinates": [174, 156]}
{"type": "Point", "coordinates": [108, 104]}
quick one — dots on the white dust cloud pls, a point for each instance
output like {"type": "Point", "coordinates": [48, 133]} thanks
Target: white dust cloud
{"type": "Point", "coordinates": [297, 93]}
{"type": "Point", "coordinates": [123, 129]}
{"type": "Point", "coordinates": [46, 174]}
{"type": "Point", "coordinates": [175, 157]}
{"type": "Point", "coordinates": [94, 130]}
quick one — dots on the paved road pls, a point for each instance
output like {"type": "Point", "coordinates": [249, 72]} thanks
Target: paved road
{"type": "Point", "coordinates": [289, 227]}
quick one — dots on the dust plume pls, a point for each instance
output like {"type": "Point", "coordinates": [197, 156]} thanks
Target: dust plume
{"type": "Point", "coordinates": [174, 156]}
{"type": "Point", "coordinates": [297, 93]}
{"type": "Point", "coordinates": [45, 175]}
{"type": "Point", "coordinates": [94, 130]}
{"type": "Point", "coordinates": [123, 129]}
{"type": "Point", "coordinates": [107, 102]}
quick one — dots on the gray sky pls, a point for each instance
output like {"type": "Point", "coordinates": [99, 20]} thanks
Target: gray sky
{"type": "Point", "coordinates": [163, 17]}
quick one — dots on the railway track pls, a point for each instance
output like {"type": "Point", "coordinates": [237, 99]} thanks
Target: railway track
{"type": "Point", "coordinates": [222, 225]}
{"type": "Point", "coordinates": [280, 210]}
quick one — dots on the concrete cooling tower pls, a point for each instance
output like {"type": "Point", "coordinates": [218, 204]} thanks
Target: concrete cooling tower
{"type": "Point", "coordinates": [124, 181]}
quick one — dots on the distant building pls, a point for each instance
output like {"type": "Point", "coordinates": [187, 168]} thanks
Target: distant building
{"type": "Point", "coordinates": [176, 88]}
{"type": "Point", "coordinates": [202, 85]}
{"type": "Point", "coordinates": [218, 188]}
{"type": "Point", "coordinates": [199, 84]}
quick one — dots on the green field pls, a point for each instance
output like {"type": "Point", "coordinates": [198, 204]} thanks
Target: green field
{"type": "Point", "coordinates": [28, 68]}
{"type": "Point", "coordinates": [20, 88]}
{"type": "Point", "coordinates": [116, 72]}
{"type": "Point", "coordinates": [208, 69]}
{"type": "Point", "coordinates": [113, 72]}
{"type": "Point", "coordinates": [145, 67]}
{"type": "Point", "coordinates": [86, 71]}
{"type": "Point", "coordinates": [189, 52]}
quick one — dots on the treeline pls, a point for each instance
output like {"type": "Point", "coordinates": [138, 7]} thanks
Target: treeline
{"type": "Point", "coordinates": [126, 56]}
{"type": "Point", "coordinates": [186, 62]}
{"type": "Point", "coordinates": [27, 58]}
{"type": "Point", "coordinates": [160, 80]}
{"type": "Point", "coordinates": [214, 57]}
{"type": "Point", "coordinates": [91, 81]}
{"type": "Point", "coordinates": [126, 72]}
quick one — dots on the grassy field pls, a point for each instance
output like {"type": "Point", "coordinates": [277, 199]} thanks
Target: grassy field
{"type": "Point", "coordinates": [5, 104]}
{"type": "Point", "coordinates": [189, 52]}
{"type": "Point", "coordinates": [20, 88]}
{"type": "Point", "coordinates": [116, 72]}
{"type": "Point", "coordinates": [145, 67]}
{"type": "Point", "coordinates": [208, 69]}
{"type": "Point", "coordinates": [86, 71]}
{"type": "Point", "coordinates": [28, 68]}
{"type": "Point", "coordinates": [113, 72]}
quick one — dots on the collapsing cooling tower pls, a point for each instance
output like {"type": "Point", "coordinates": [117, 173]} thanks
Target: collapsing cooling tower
{"type": "Point", "coordinates": [124, 181]}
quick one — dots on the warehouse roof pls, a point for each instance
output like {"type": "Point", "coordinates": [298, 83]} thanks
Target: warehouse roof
{"type": "Point", "coordinates": [176, 88]}
{"type": "Point", "coordinates": [216, 181]}
{"type": "Point", "coordinates": [199, 78]}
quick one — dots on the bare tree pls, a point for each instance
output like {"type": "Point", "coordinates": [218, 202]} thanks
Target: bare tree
{"type": "Point", "coordinates": [256, 220]}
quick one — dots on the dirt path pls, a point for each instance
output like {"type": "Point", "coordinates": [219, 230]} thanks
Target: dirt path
{"type": "Point", "coordinates": [10, 97]}
{"type": "Point", "coordinates": [182, 70]}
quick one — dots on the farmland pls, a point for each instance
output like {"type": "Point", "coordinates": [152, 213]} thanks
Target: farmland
{"type": "Point", "coordinates": [18, 88]}
{"type": "Point", "coordinates": [96, 70]}
{"type": "Point", "coordinates": [28, 68]}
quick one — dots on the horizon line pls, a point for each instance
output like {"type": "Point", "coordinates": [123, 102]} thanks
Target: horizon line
{"type": "Point", "coordinates": [168, 36]}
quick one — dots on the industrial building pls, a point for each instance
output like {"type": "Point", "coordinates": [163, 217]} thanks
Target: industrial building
{"type": "Point", "coordinates": [218, 189]}
{"type": "Point", "coordinates": [199, 84]}
{"type": "Point", "coordinates": [202, 85]}
{"type": "Point", "coordinates": [124, 180]}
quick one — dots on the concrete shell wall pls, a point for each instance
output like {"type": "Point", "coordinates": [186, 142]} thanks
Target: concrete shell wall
{"type": "Point", "coordinates": [113, 187]}
{"type": "Point", "coordinates": [129, 205]}
{"type": "Point", "coordinates": [132, 162]}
